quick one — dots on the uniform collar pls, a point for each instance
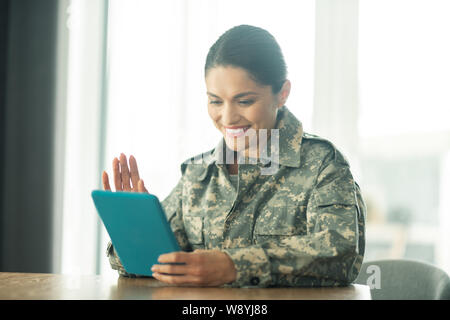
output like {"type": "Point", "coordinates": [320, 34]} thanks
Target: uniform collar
{"type": "Point", "coordinates": [290, 139]}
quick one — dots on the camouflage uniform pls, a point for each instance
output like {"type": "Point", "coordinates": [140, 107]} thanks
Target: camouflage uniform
{"type": "Point", "coordinates": [302, 226]}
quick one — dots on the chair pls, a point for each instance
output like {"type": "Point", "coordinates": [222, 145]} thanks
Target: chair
{"type": "Point", "coordinates": [404, 280]}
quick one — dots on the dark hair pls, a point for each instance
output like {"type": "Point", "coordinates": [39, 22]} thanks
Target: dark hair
{"type": "Point", "coordinates": [253, 49]}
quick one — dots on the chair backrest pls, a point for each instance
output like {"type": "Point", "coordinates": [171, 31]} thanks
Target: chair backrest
{"type": "Point", "coordinates": [404, 280]}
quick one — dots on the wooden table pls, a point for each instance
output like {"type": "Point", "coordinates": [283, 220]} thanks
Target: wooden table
{"type": "Point", "coordinates": [39, 286]}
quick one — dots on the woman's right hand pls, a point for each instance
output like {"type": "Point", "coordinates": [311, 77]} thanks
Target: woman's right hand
{"type": "Point", "coordinates": [125, 179]}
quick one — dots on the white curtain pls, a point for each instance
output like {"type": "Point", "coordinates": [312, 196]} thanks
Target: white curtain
{"type": "Point", "coordinates": [79, 139]}
{"type": "Point", "coordinates": [335, 113]}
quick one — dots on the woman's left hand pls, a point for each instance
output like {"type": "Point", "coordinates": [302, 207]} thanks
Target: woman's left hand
{"type": "Point", "coordinates": [200, 268]}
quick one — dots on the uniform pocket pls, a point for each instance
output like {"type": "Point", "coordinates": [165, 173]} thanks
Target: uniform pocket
{"type": "Point", "coordinates": [276, 223]}
{"type": "Point", "coordinates": [193, 226]}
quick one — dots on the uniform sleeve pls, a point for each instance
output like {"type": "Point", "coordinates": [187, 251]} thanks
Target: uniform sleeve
{"type": "Point", "coordinates": [115, 263]}
{"type": "Point", "coordinates": [331, 252]}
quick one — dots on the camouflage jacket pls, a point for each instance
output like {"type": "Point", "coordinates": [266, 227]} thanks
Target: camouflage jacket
{"type": "Point", "coordinates": [304, 225]}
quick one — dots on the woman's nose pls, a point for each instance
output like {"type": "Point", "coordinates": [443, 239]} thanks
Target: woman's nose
{"type": "Point", "coordinates": [229, 114]}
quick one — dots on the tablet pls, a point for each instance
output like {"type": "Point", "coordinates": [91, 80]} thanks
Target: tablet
{"type": "Point", "coordinates": [137, 226]}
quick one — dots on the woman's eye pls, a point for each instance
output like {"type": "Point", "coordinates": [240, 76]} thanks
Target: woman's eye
{"type": "Point", "coordinates": [246, 102]}
{"type": "Point", "coordinates": [215, 102]}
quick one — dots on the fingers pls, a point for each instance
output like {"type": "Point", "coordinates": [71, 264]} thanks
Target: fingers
{"type": "Point", "coordinates": [185, 272]}
{"type": "Point", "coordinates": [141, 187]}
{"type": "Point", "coordinates": [175, 257]}
{"type": "Point", "coordinates": [171, 269]}
{"type": "Point", "coordinates": [134, 172]}
{"type": "Point", "coordinates": [125, 179]}
{"type": "Point", "coordinates": [178, 279]}
{"type": "Point", "coordinates": [117, 175]}
{"type": "Point", "coordinates": [105, 181]}
{"type": "Point", "coordinates": [125, 173]}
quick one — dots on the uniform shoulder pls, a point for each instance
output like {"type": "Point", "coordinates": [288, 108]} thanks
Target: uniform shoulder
{"type": "Point", "coordinates": [196, 167]}
{"type": "Point", "coordinates": [321, 148]}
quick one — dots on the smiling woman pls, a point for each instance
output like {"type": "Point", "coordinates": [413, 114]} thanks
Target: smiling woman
{"type": "Point", "coordinates": [302, 225]}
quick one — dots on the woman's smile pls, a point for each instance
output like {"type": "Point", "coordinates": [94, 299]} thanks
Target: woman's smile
{"type": "Point", "coordinates": [236, 131]}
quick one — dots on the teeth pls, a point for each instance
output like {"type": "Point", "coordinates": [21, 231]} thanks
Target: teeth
{"type": "Point", "coordinates": [236, 131]}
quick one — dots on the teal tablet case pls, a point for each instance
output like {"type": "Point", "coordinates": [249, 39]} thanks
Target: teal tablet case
{"type": "Point", "coordinates": [137, 226]}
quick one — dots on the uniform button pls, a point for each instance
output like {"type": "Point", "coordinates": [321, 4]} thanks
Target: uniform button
{"type": "Point", "coordinates": [254, 281]}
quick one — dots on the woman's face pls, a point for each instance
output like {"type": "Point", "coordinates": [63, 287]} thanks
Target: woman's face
{"type": "Point", "coordinates": [237, 103]}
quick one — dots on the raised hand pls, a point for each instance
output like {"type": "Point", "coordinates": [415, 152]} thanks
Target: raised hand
{"type": "Point", "coordinates": [125, 179]}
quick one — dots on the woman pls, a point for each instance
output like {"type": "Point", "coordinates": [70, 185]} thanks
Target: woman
{"type": "Point", "coordinates": [300, 225]}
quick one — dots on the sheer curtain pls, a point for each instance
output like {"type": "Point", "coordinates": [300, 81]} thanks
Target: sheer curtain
{"type": "Point", "coordinates": [79, 152]}
{"type": "Point", "coordinates": [335, 115]}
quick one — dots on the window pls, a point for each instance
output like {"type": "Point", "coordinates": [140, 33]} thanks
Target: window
{"type": "Point", "coordinates": [404, 129]}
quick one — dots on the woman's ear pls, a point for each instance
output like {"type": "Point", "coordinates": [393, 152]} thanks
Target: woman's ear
{"type": "Point", "coordinates": [284, 93]}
